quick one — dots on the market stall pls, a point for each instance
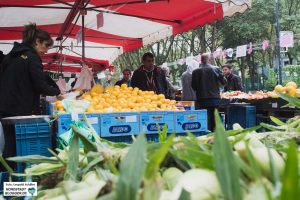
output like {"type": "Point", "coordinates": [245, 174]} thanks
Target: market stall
{"type": "Point", "coordinates": [259, 106]}
{"type": "Point", "coordinates": [117, 114]}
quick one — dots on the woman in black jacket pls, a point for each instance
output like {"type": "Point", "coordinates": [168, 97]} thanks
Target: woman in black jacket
{"type": "Point", "coordinates": [22, 79]}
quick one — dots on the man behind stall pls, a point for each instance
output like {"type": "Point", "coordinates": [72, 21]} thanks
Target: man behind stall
{"type": "Point", "coordinates": [149, 77]}
{"type": "Point", "coordinates": [206, 81]}
{"type": "Point", "coordinates": [126, 78]}
{"type": "Point", "coordinates": [234, 82]}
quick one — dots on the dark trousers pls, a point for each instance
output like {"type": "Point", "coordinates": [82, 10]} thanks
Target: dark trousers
{"type": "Point", "coordinates": [210, 105]}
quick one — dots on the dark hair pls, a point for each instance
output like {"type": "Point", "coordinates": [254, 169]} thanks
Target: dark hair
{"type": "Point", "coordinates": [31, 33]}
{"type": "Point", "coordinates": [127, 70]}
{"type": "Point", "coordinates": [228, 66]}
{"type": "Point", "coordinates": [147, 55]}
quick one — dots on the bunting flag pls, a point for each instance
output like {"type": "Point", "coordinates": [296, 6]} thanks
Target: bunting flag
{"type": "Point", "coordinates": [229, 52]}
{"type": "Point", "coordinates": [100, 20]}
{"type": "Point", "coordinates": [79, 37]}
{"type": "Point", "coordinates": [265, 44]}
{"type": "Point", "coordinates": [250, 49]}
{"type": "Point", "coordinates": [181, 61]}
{"type": "Point", "coordinates": [241, 51]}
{"type": "Point", "coordinates": [286, 39]}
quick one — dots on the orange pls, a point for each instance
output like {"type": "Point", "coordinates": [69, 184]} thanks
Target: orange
{"type": "Point", "coordinates": [291, 83]}
{"type": "Point", "coordinates": [279, 88]}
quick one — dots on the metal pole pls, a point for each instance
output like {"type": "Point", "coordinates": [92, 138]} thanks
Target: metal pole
{"type": "Point", "coordinates": [278, 42]}
{"type": "Point", "coordinates": [82, 33]}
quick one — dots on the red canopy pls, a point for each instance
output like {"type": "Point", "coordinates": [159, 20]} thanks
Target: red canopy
{"type": "Point", "coordinates": [111, 27]}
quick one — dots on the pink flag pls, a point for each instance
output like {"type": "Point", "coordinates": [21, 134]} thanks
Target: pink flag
{"type": "Point", "coordinates": [265, 44]}
{"type": "Point", "coordinates": [250, 50]}
{"type": "Point", "coordinates": [217, 53]}
{"type": "Point", "coordinates": [100, 20]}
{"type": "Point", "coordinates": [286, 39]}
{"type": "Point", "coordinates": [180, 61]}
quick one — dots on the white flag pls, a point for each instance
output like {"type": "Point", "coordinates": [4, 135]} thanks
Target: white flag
{"type": "Point", "coordinates": [241, 51]}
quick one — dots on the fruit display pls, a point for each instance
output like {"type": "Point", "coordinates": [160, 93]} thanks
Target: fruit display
{"type": "Point", "coordinates": [290, 88]}
{"type": "Point", "coordinates": [242, 95]}
{"type": "Point", "coordinates": [123, 99]}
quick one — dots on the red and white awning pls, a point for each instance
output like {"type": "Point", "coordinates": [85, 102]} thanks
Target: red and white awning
{"type": "Point", "coordinates": [125, 25]}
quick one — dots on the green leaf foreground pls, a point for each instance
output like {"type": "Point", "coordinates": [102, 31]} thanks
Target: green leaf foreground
{"type": "Point", "coordinates": [290, 188]}
{"type": "Point", "coordinates": [157, 157]}
{"type": "Point", "coordinates": [277, 121]}
{"type": "Point", "coordinates": [291, 100]}
{"type": "Point", "coordinates": [73, 157]}
{"type": "Point", "coordinates": [226, 167]}
{"type": "Point", "coordinates": [131, 170]}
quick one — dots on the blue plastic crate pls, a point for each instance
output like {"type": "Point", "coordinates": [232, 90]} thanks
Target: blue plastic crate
{"type": "Point", "coordinates": [151, 121]}
{"type": "Point", "coordinates": [244, 115]}
{"type": "Point", "coordinates": [119, 124]}
{"type": "Point", "coordinates": [32, 139]}
{"type": "Point", "coordinates": [125, 139]}
{"type": "Point", "coordinates": [191, 121]}
{"type": "Point", "coordinates": [196, 134]}
{"type": "Point", "coordinates": [149, 137]}
{"type": "Point", "coordinates": [64, 121]}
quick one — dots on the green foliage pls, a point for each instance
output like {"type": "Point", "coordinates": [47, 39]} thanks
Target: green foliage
{"type": "Point", "coordinates": [228, 171]}
{"type": "Point", "coordinates": [131, 170]}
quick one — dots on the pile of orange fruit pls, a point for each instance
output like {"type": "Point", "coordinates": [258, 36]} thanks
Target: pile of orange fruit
{"type": "Point", "coordinates": [290, 88]}
{"type": "Point", "coordinates": [123, 99]}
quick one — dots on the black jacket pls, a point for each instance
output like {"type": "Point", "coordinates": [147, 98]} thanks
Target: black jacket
{"type": "Point", "coordinates": [234, 83]}
{"type": "Point", "coordinates": [22, 81]}
{"type": "Point", "coordinates": [123, 81]}
{"type": "Point", "coordinates": [139, 79]}
{"type": "Point", "coordinates": [206, 81]}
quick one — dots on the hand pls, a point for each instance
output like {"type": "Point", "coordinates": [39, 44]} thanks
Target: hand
{"type": "Point", "coordinates": [60, 97]}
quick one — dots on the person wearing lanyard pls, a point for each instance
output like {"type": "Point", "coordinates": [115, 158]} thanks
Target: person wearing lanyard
{"type": "Point", "coordinates": [126, 78]}
{"type": "Point", "coordinates": [149, 77]}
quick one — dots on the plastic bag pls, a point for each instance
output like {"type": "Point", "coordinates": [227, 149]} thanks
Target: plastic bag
{"type": "Point", "coordinates": [85, 79]}
{"type": "Point", "coordinates": [75, 106]}
{"type": "Point", "coordinates": [61, 83]}
{"type": "Point", "coordinates": [65, 139]}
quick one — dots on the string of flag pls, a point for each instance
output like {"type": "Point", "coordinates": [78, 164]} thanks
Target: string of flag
{"type": "Point", "coordinates": [286, 40]}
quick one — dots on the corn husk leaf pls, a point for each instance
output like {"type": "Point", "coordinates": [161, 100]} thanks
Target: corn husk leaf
{"type": "Point", "coordinates": [277, 121]}
{"type": "Point", "coordinates": [152, 183]}
{"type": "Point", "coordinates": [157, 157]}
{"type": "Point", "coordinates": [88, 144]}
{"type": "Point", "coordinates": [227, 169]}
{"type": "Point", "coordinates": [73, 156]}
{"type": "Point", "coordinates": [131, 170]}
{"type": "Point", "coordinates": [35, 159]}
{"type": "Point", "coordinates": [292, 100]}
{"type": "Point", "coordinates": [43, 168]}
{"type": "Point", "coordinates": [271, 127]}
{"type": "Point", "coordinates": [290, 188]}
{"type": "Point", "coordinates": [196, 158]}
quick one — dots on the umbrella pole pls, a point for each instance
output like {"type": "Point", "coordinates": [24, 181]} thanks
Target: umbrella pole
{"type": "Point", "coordinates": [82, 33]}
{"type": "Point", "coordinates": [278, 42]}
